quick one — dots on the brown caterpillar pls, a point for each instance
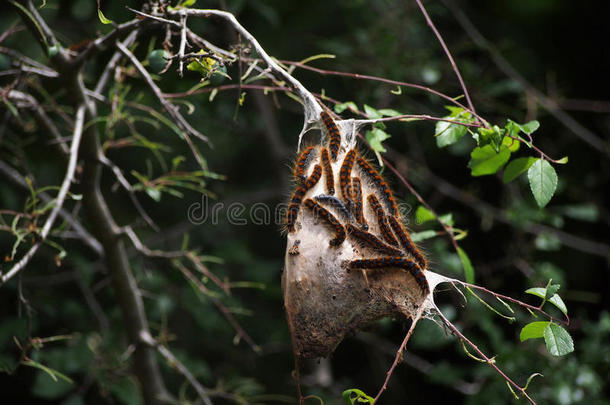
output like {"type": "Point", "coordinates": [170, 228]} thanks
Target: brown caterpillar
{"type": "Point", "coordinates": [297, 197]}
{"type": "Point", "coordinates": [389, 262]}
{"type": "Point", "coordinates": [328, 172]}
{"type": "Point", "coordinates": [334, 134]}
{"type": "Point", "coordinates": [345, 175]}
{"type": "Point", "coordinates": [357, 198]}
{"type": "Point", "coordinates": [369, 240]}
{"type": "Point", "coordinates": [302, 162]}
{"type": "Point", "coordinates": [321, 212]}
{"type": "Point", "coordinates": [382, 221]}
{"type": "Point", "coordinates": [407, 243]}
{"type": "Point", "coordinates": [380, 183]}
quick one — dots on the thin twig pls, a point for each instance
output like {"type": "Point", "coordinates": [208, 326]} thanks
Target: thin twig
{"type": "Point", "coordinates": [547, 103]}
{"type": "Point", "coordinates": [401, 349]}
{"type": "Point", "coordinates": [447, 52]}
{"type": "Point", "coordinates": [171, 109]}
{"type": "Point", "coordinates": [61, 196]}
{"type": "Point", "coordinates": [487, 360]}
{"type": "Point", "coordinates": [182, 44]}
{"type": "Point", "coordinates": [179, 367]}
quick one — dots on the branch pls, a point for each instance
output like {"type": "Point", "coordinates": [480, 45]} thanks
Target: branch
{"type": "Point", "coordinates": [447, 52]}
{"type": "Point", "coordinates": [178, 366]}
{"type": "Point", "coordinates": [171, 109]}
{"type": "Point", "coordinates": [548, 104]}
{"type": "Point", "coordinates": [486, 359]}
{"type": "Point", "coordinates": [310, 104]}
{"type": "Point", "coordinates": [401, 349]}
{"type": "Point", "coordinates": [61, 196]}
{"type": "Point", "coordinates": [15, 177]}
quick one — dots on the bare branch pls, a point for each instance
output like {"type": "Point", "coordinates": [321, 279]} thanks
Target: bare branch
{"type": "Point", "coordinates": [171, 109]}
{"type": "Point", "coordinates": [547, 103]}
{"type": "Point", "coordinates": [448, 53]}
{"type": "Point", "coordinates": [61, 196]}
{"type": "Point", "coordinates": [178, 366]}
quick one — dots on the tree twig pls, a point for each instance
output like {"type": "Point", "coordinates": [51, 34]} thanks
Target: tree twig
{"type": "Point", "coordinates": [61, 196]}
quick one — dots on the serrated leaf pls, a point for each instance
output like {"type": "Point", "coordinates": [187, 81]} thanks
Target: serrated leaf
{"type": "Point", "coordinates": [516, 167]}
{"type": "Point", "coordinates": [374, 137]}
{"type": "Point", "coordinates": [555, 299]}
{"type": "Point", "coordinates": [543, 181]}
{"type": "Point", "coordinates": [558, 340]}
{"type": "Point", "coordinates": [467, 265]}
{"type": "Point", "coordinates": [533, 330]}
{"type": "Point", "coordinates": [485, 160]}
{"type": "Point", "coordinates": [423, 214]}
{"type": "Point", "coordinates": [103, 18]}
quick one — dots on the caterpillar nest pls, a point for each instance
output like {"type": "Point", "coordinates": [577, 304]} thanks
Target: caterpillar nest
{"type": "Point", "coordinates": [349, 259]}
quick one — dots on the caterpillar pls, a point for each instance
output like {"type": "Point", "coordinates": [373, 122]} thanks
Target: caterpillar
{"type": "Point", "coordinates": [335, 203]}
{"type": "Point", "coordinates": [406, 242]}
{"type": "Point", "coordinates": [390, 262]}
{"type": "Point", "coordinates": [320, 211]}
{"type": "Point", "coordinates": [297, 197]}
{"type": "Point", "coordinates": [357, 199]}
{"type": "Point", "coordinates": [372, 241]}
{"type": "Point", "coordinates": [328, 172]}
{"type": "Point", "coordinates": [334, 134]}
{"type": "Point", "coordinates": [345, 175]}
{"type": "Point", "coordinates": [379, 183]}
{"type": "Point", "coordinates": [302, 162]}
{"type": "Point", "coordinates": [382, 221]}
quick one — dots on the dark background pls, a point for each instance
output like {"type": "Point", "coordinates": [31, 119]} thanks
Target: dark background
{"type": "Point", "coordinates": [559, 47]}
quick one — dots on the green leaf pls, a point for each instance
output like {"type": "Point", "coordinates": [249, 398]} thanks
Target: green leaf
{"type": "Point", "coordinates": [528, 128]}
{"type": "Point", "coordinates": [356, 396]}
{"type": "Point", "coordinates": [555, 299]}
{"type": "Point", "coordinates": [558, 340]}
{"type": "Point", "coordinates": [447, 133]}
{"type": "Point", "coordinates": [490, 136]}
{"type": "Point", "coordinates": [584, 212]}
{"type": "Point", "coordinates": [103, 18]}
{"type": "Point", "coordinates": [158, 60]}
{"type": "Point", "coordinates": [374, 137]}
{"type": "Point", "coordinates": [339, 108]}
{"type": "Point", "coordinates": [516, 167]}
{"type": "Point", "coordinates": [371, 112]}
{"type": "Point", "coordinates": [513, 145]}
{"type": "Point", "coordinates": [423, 214]}
{"type": "Point", "coordinates": [485, 160]}
{"type": "Point", "coordinates": [551, 290]}
{"type": "Point", "coordinates": [467, 265]}
{"type": "Point", "coordinates": [543, 181]}
{"type": "Point", "coordinates": [388, 112]}
{"type": "Point", "coordinates": [419, 236]}
{"type": "Point", "coordinates": [533, 330]}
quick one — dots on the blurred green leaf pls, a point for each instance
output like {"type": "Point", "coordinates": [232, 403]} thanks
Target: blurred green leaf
{"type": "Point", "coordinates": [423, 214]}
{"type": "Point", "coordinates": [103, 18]}
{"type": "Point", "coordinates": [466, 265]}
{"type": "Point", "coordinates": [355, 396]}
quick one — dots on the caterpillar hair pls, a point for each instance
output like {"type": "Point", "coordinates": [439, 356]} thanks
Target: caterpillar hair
{"type": "Point", "coordinates": [407, 243]}
{"type": "Point", "coordinates": [297, 197]}
{"type": "Point", "coordinates": [380, 183]}
{"type": "Point", "coordinates": [302, 162]}
{"type": "Point", "coordinates": [345, 175]}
